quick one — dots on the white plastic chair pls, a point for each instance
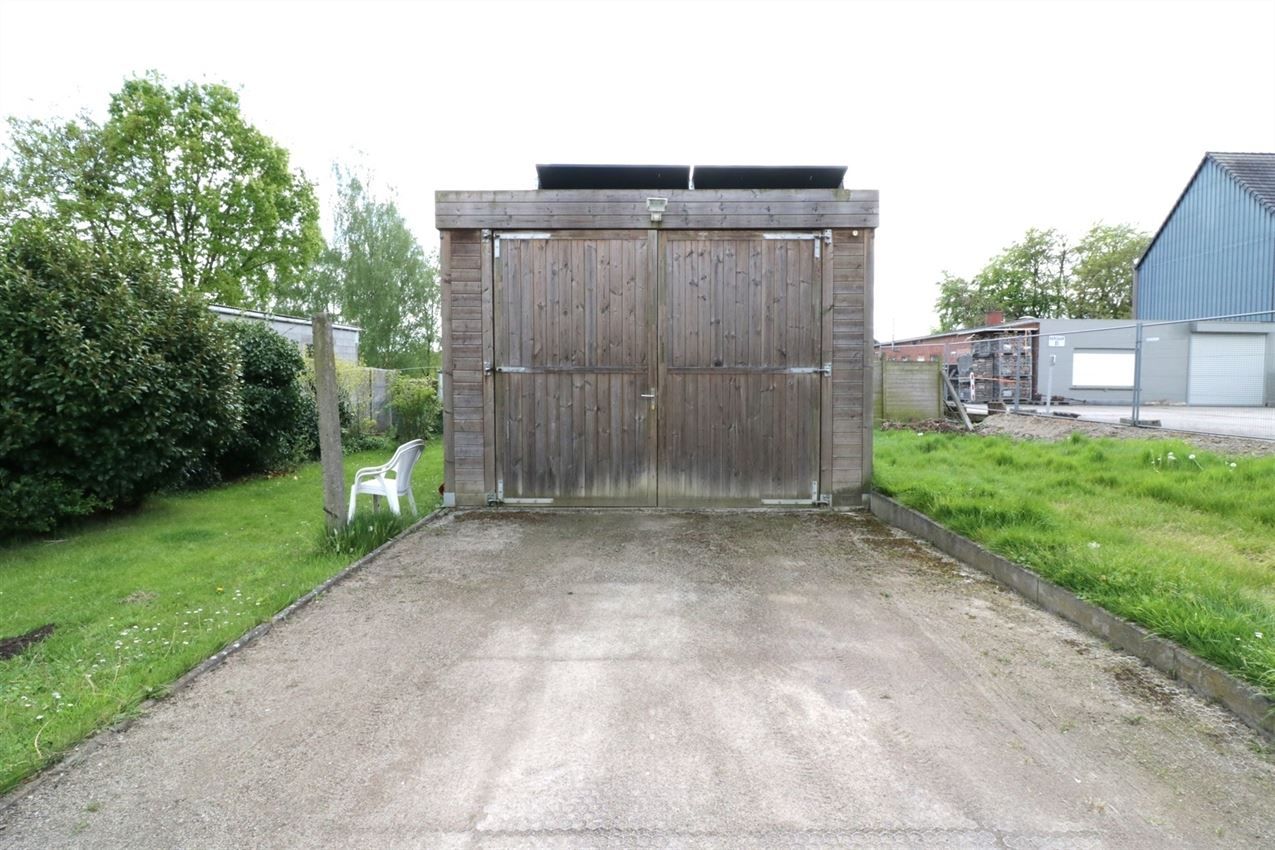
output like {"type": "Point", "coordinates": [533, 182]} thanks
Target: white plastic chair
{"type": "Point", "coordinates": [392, 480]}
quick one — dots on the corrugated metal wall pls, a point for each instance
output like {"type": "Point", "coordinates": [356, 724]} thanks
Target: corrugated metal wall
{"type": "Point", "coordinates": [1215, 256]}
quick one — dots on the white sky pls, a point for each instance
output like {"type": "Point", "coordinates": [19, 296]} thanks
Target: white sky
{"type": "Point", "coordinates": [975, 120]}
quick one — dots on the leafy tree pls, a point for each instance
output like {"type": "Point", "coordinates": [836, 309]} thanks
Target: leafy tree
{"type": "Point", "coordinates": [179, 173]}
{"type": "Point", "coordinates": [1102, 278]}
{"type": "Point", "coordinates": [1040, 275]}
{"type": "Point", "coordinates": [960, 305]}
{"type": "Point", "coordinates": [375, 275]}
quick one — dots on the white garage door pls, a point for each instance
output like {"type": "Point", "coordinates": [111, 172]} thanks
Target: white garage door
{"type": "Point", "coordinates": [1227, 369]}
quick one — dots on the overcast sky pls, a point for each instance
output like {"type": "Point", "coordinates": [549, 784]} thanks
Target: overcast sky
{"type": "Point", "coordinates": [974, 120]}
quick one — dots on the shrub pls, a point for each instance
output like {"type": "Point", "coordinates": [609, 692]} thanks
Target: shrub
{"type": "Point", "coordinates": [277, 430]}
{"type": "Point", "coordinates": [417, 412]}
{"type": "Point", "coordinates": [114, 384]}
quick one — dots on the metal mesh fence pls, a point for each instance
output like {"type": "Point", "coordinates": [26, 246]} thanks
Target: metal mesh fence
{"type": "Point", "coordinates": [1212, 374]}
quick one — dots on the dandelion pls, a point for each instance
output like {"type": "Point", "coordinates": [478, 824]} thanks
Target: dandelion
{"type": "Point", "coordinates": [1232, 464]}
{"type": "Point", "coordinates": [220, 589]}
{"type": "Point", "coordinates": [1094, 544]}
{"type": "Point", "coordinates": [57, 695]}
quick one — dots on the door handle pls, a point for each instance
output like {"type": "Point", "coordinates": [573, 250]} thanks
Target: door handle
{"type": "Point", "coordinates": [648, 395]}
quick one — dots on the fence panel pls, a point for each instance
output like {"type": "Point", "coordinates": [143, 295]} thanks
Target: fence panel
{"type": "Point", "coordinates": [908, 391]}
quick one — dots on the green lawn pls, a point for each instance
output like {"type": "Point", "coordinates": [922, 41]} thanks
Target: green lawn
{"type": "Point", "coordinates": [137, 600]}
{"type": "Point", "coordinates": [1183, 545]}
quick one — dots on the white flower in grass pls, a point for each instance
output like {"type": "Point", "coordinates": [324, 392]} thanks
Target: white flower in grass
{"type": "Point", "coordinates": [1257, 635]}
{"type": "Point", "coordinates": [57, 695]}
{"type": "Point", "coordinates": [1190, 457]}
{"type": "Point", "coordinates": [1232, 464]}
{"type": "Point", "coordinates": [1094, 544]}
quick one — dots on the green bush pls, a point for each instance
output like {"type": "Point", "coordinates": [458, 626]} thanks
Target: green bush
{"type": "Point", "coordinates": [277, 430]}
{"type": "Point", "coordinates": [114, 384]}
{"type": "Point", "coordinates": [417, 411]}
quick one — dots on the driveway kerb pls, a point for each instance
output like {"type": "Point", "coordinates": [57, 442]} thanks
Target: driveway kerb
{"type": "Point", "coordinates": [1210, 681]}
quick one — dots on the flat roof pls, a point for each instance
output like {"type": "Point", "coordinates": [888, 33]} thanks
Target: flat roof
{"type": "Point", "coordinates": [274, 317]}
{"type": "Point", "coordinates": [581, 176]}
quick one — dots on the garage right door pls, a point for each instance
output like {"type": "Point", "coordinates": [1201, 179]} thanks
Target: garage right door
{"type": "Point", "coordinates": [1227, 369]}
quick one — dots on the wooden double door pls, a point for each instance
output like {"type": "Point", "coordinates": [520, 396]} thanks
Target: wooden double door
{"type": "Point", "coordinates": [658, 367]}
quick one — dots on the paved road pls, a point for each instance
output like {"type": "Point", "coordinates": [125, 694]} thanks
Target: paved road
{"type": "Point", "coordinates": [1257, 422]}
{"type": "Point", "coordinates": [629, 679]}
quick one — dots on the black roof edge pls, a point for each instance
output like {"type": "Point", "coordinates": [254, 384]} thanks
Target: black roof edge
{"type": "Point", "coordinates": [572, 176]}
{"type": "Point", "coordinates": [588, 176]}
{"type": "Point", "coordinates": [769, 176]}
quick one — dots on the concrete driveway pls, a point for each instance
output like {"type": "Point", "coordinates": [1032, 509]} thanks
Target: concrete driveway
{"type": "Point", "coordinates": [631, 679]}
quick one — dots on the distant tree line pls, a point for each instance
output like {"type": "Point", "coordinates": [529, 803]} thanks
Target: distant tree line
{"type": "Point", "coordinates": [177, 177]}
{"type": "Point", "coordinates": [1044, 276]}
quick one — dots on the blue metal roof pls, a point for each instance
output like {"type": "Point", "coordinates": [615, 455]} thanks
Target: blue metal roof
{"type": "Point", "coordinates": [1215, 253]}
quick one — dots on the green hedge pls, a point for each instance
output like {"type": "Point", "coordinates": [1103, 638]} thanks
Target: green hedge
{"type": "Point", "coordinates": [114, 384]}
{"type": "Point", "coordinates": [277, 431]}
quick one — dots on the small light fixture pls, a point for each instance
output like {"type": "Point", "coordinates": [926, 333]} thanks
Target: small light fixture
{"type": "Point", "coordinates": [854, 233]}
{"type": "Point", "coordinates": [656, 207]}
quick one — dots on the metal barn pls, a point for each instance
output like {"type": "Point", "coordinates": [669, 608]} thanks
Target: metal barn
{"type": "Point", "coordinates": [658, 336]}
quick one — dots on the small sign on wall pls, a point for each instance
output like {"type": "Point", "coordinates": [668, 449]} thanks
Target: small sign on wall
{"type": "Point", "coordinates": [1057, 341]}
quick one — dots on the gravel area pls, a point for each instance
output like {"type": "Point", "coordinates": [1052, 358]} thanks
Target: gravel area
{"type": "Point", "coordinates": [1053, 428]}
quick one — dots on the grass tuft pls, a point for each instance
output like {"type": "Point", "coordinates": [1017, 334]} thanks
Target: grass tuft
{"type": "Point", "coordinates": [366, 531]}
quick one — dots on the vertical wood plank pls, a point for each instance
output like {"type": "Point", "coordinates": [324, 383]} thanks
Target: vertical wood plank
{"type": "Point", "coordinates": [446, 367]}
{"type": "Point", "coordinates": [866, 412]}
{"type": "Point", "coordinates": [825, 355]}
{"type": "Point", "coordinates": [489, 385]}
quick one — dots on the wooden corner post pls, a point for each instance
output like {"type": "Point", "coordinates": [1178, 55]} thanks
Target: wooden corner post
{"type": "Point", "coordinates": [326, 395]}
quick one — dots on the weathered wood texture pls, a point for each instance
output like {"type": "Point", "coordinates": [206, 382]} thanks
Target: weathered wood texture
{"type": "Point", "coordinates": [851, 367]}
{"type": "Point", "coordinates": [735, 425]}
{"type": "Point", "coordinates": [574, 326]}
{"type": "Point", "coordinates": [724, 209]}
{"type": "Point", "coordinates": [328, 400]}
{"type": "Point", "coordinates": [463, 366]}
{"type": "Point", "coordinates": [711, 321]}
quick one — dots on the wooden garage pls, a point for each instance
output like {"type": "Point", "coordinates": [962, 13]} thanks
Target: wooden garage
{"type": "Point", "coordinates": [658, 336]}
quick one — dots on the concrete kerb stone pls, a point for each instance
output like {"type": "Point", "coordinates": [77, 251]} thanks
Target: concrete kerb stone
{"type": "Point", "coordinates": [1210, 681]}
{"type": "Point", "coordinates": [88, 746]}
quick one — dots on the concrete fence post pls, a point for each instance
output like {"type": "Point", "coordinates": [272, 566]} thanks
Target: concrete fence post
{"type": "Point", "coordinates": [1136, 408]}
{"type": "Point", "coordinates": [328, 398]}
